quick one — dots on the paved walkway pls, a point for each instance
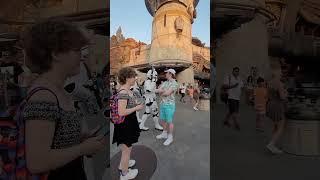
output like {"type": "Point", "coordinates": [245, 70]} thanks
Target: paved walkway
{"type": "Point", "coordinates": [242, 155]}
{"type": "Point", "coordinates": [187, 158]}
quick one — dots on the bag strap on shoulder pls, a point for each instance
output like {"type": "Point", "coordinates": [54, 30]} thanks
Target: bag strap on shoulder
{"type": "Point", "coordinates": [30, 94]}
{"type": "Point", "coordinates": [121, 90]}
{"type": "Point", "coordinates": [33, 91]}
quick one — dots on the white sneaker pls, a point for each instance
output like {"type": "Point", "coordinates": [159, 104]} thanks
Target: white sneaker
{"type": "Point", "coordinates": [132, 173]}
{"type": "Point", "coordinates": [131, 163]}
{"type": "Point", "coordinates": [274, 149]}
{"type": "Point", "coordinates": [168, 141]}
{"type": "Point", "coordinates": [163, 135]}
{"type": "Point", "coordinates": [143, 128]}
{"type": "Point", "coordinates": [195, 108]}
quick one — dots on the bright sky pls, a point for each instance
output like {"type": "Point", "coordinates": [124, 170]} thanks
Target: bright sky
{"type": "Point", "coordinates": [136, 22]}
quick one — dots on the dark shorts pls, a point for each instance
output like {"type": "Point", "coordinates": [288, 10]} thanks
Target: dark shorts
{"type": "Point", "coordinates": [196, 97]}
{"type": "Point", "coordinates": [233, 105]}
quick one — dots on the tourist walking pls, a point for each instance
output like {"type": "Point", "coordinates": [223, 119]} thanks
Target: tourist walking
{"type": "Point", "coordinates": [250, 85]}
{"type": "Point", "coordinates": [196, 96]}
{"type": "Point", "coordinates": [254, 74]}
{"type": "Point", "coordinates": [276, 110]}
{"type": "Point", "coordinates": [260, 102]}
{"type": "Point", "coordinates": [167, 106]}
{"type": "Point", "coordinates": [183, 89]}
{"type": "Point", "coordinates": [128, 132]}
{"type": "Point", "coordinates": [233, 84]}
{"type": "Point", "coordinates": [190, 93]}
{"type": "Point", "coordinates": [55, 144]}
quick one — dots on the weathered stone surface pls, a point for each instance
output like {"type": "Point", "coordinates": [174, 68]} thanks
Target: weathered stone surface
{"type": "Point", "coordinates": [113, 41]}
{"type": "Point", "coordinates": [167, 43]}
{"type": "Point", "coordinates": [197, 42]}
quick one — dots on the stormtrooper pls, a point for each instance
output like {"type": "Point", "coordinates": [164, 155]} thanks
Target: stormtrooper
{"type": "Point", "coordinates": [150, 101]}
{"type": "Point", "coordinates": [85, 100]}
{"type": "Point", "coordinates": [138, 93]}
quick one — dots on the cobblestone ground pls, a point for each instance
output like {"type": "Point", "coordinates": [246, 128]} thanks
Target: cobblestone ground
{"type": "Point", "coordinates": [188, 158]}
{"type": "Point", "coordinates": [242, 155]}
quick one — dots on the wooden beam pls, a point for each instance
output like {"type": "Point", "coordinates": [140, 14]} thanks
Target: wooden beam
{"type": "Point", "coordinates": [11, 22]}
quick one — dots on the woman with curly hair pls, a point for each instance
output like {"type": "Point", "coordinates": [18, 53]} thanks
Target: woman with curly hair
{"type": "Point", "coordinates": [55, 143]}
{"type": "Point", "coordinates": [128, 132]}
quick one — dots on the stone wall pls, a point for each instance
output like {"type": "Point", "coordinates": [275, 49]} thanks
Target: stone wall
{"type": "Point", "coordinates": [128, 53]}
{"type": "Point", "coordinates": [139, 55]}
{"type": "Point", "coordinates": [204, 51]}
{"type": "Point", "coordinates": [167, 43]}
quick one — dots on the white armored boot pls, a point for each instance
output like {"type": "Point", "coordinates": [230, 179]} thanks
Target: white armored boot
{"type": "Point", "coordinates": [157, 126]}
{"type": "Point", "coordinates": [138, 118]}
{"type": "Point", "coordinates": [143, 120]}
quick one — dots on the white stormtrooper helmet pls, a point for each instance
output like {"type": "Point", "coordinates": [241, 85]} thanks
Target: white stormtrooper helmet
{"type": "Point", "coordinates": [155, 75]}
{"type": "Point", "coordinates": [152, 74]}
{"type": "Point", "coordinates": [149, 74]}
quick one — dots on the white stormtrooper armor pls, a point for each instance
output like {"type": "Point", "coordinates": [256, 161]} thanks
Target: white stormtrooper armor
{"type": "Point", "coordinates": [150, 100]}
{"type": "Point", "coordinates": [86, 100]}
{"type": "Point", "coordinates": [137, 92]}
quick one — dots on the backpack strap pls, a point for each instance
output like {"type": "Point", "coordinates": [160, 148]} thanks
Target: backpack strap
{"type": "Point", "coordinates": [121, 90]}
{"type": "Point", "coordinates": [33, 91]}
{"type": "Point", "coordinates": [30, 94]}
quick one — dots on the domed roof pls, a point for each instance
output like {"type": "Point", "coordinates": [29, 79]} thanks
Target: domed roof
{"type": "Point", "coordinates": [151, 4]}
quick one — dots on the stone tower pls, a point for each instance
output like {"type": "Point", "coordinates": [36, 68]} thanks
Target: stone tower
{"type": "Point", "coordinates": [171, 44]}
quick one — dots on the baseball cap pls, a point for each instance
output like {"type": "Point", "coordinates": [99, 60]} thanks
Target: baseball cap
{"type": "Point", "coordinates": [172, 71]}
